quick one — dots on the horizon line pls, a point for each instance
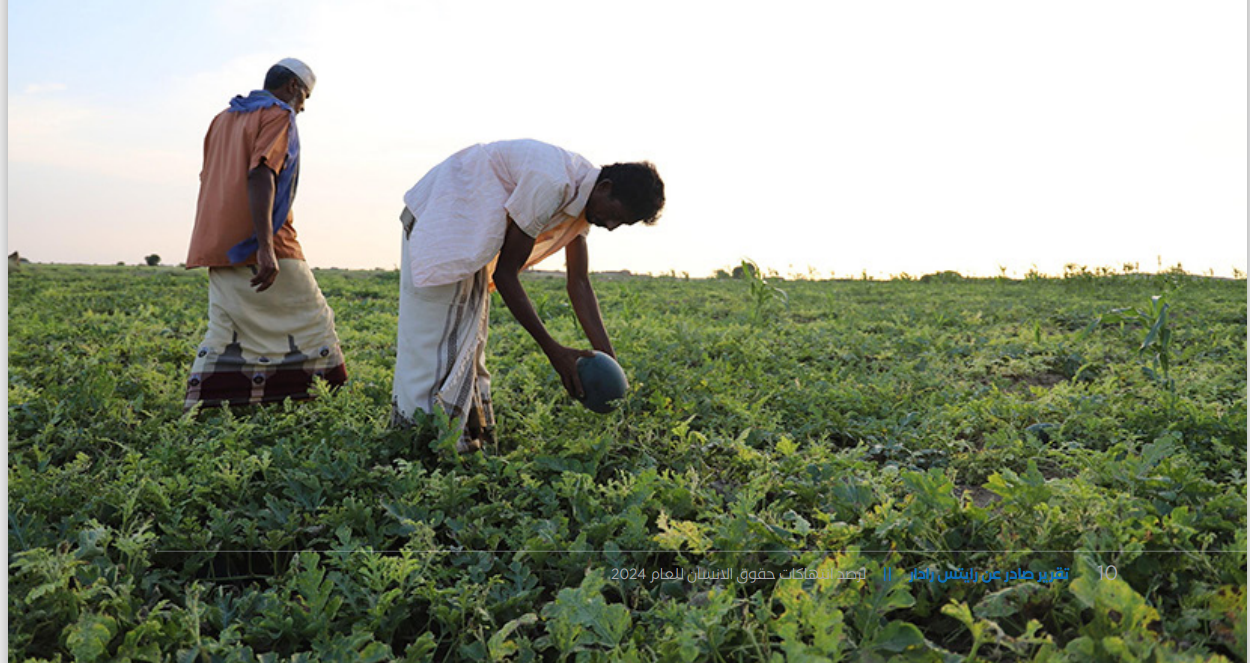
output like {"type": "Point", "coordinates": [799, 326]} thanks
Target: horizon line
{"type": "Point", "coordinates": [1071, 270]}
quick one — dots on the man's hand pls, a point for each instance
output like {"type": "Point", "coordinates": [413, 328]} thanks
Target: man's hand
{"type": "Point", "coordinates": [564, 360]}
{"type": "Point", "coordinates": [516, 249]}
{"type": "Point", "coordinates": [266, 270]}
{"type": "Point", "coordinates": [260, 191]}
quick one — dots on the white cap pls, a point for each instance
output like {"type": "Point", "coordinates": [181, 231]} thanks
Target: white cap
{"type": "Point", "coordinates": [301, 70]}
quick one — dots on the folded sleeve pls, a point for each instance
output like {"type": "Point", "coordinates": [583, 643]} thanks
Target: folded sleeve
{"type": "Point", "coordinates": [536, 199]}
{"type": "Point", "coordinates": [271, 140]}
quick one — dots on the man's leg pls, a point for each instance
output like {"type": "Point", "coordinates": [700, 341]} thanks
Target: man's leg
{"type": "Point", "coordinates": [482, 418]}
{"type": "Point", "coordinates": [218, 371]}
{"type": "Point", "coordinates": [440, 348]}
{"type": "Point", "coordinates": [422, 323]}
{"type": "Point", "coordinates": [268, 346]}
{"type": "Point", "coordinates": [288, 333]}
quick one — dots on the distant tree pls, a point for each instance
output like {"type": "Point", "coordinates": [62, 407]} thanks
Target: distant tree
{"type": "Point", "coordinates": [746, 270]}
{"type": "Point", "coordinates": [942, 277]}
{"type": "Point", "coordinates": [153, 260]}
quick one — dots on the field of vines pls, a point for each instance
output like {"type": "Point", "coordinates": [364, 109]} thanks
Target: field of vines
{"type": "Point", "coordinates": [934, 469]}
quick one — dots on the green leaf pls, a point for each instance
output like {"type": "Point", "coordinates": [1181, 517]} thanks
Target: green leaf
{"type": "Point", "coordinates": [1007, 601]}
{"type": "Point", "coordinates": [421, 650]}
{"type": "Point", "coordinates": [580, 618]}
{"type": "Point", "coordinates": [675, 533]}
{"type": "Point", "coordinates": [1159, 323]}
{"type": "Point", "coordinates": [88, 639]}
{"type": "Point", "coordinates": [896, 637]}
{"type": "Point", "coordinates": [960, 612]}
{"type": "Point", "coordinates": [500, 647]}
{"type": "Point", "coordinates": [1089, 329]}
{"type": "Point", "coordinates": [1083, 648]}
{"type": "Point", "coordinates": [1116, 316]}
{"type": "Point", "coordinates": [932, 490]}
{"type": "Point", "coordinates": [1117, 607]}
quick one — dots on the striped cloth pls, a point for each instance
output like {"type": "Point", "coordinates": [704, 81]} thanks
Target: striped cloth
{"type": "Point", "coordinates": [441, 355]}
{"type": "Point", "coordinates": [267, 346]}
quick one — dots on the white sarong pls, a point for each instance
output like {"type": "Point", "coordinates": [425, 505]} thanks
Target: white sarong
{"type": "Point", "coordinates": [441, 351]}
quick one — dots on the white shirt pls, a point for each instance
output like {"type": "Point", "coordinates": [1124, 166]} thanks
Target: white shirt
{"type": "Point", "coordinates": [462, 205]}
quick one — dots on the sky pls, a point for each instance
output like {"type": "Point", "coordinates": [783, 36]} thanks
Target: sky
{"type": "Point", "coordinates": [817, 138]}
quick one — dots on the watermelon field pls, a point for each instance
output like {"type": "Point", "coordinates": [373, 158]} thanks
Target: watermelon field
{"type": "Point", "coordinates": [931, 469]}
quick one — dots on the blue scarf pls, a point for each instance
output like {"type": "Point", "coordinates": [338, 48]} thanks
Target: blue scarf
{"type": "Point", "coordinates": [288, 178]}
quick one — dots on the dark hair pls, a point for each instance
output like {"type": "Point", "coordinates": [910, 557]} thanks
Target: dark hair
{"type": "Point", "coordinates": [638, 186]}
{"type": "Point", "coordinates": [278, 76]}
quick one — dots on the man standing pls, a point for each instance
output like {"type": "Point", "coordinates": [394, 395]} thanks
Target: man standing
{"type": "Point", "coordinates": [270, 331]}
{"type": "Point", "coordinates": [470, 226]}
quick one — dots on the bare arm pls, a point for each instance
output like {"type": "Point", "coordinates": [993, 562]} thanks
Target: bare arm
{"type": "Point", "coordinates": [260, 191]}
{"type": "Point", "coordinates": [516, 250]}
{"type": "Point", "coordinates": [582, 295]}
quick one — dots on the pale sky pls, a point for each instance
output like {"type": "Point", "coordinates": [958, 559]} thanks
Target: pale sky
{"type": "Point", "coordinates": [822, 137]}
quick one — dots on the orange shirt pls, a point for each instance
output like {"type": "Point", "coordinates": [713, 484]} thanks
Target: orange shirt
{"type": "Point", "coordinates": [547, 243]}
{"type": "Point", "coordinates": [235, 144]}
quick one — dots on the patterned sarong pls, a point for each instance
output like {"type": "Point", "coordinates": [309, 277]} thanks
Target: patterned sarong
{"type": "Point", "coordinates": [440, 359]}
{"type": "Point", "coordinates": [267, 346]}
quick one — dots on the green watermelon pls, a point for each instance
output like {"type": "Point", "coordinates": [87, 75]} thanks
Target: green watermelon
{"type": "Point", "coordinates": [603, 381]}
